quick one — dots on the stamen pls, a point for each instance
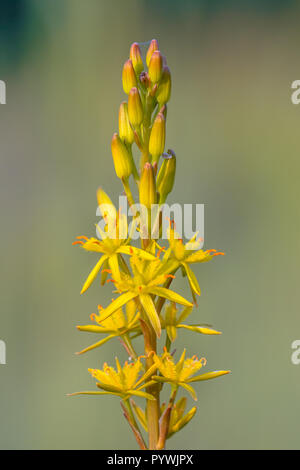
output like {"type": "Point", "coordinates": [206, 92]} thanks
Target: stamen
{"type": "Point", "coordinates": [93, 316]}
{"type": "Point", "coordinates": [219, 253]}
{"type": "Point", "coordinates": [106, 271]}
{"type": "Point", "coordinates": [210, 251]}
{"type": "Point", "coordinates": [110, 280]}
{"type": "Point", "coordinates": [171, 222]}
{"type": "Point", "coordinates": [204, 361]}
{"type": "Point", "coordinates": [162, 249]}
{"type": "Point", "coordinates": [82, 237]}
{"type": "Point", "coordinates": [78, 243]}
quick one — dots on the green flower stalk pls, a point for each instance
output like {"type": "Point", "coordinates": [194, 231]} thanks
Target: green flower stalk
{"type": "Point", "coordinates": [144, 305]}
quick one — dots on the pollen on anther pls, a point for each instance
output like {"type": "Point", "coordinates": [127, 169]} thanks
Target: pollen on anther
{"type": "Point", "coordinates": [78, 243]}
{"type": "Point", "coordinates": [171, 276]}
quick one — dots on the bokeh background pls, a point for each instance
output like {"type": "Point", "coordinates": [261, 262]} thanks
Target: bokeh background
{"type": "Point", "coordinates": [235, 133]}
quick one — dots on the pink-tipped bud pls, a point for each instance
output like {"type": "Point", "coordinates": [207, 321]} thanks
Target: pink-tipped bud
{"type": "Point", "coordinates": [135, 107]}
{"type": "Point", "coordinates": [157, 137]}
{"type": "Point", "coordinates": [122, 158]}
{"type": "Point", "coordinates": [164, 88]}
{"type": "Point", "coordinates": [148, 186]}
{"type": "Point", "coordinates": [155, 67]}
{"type": "Point", "coordinates": [136, 58]}
{"type": "Point", "coordinates": [128, 77]}
{"type": "Point", "coordinates": [153, 47]}
{"type": "Point", "coordinates": [125, 129]}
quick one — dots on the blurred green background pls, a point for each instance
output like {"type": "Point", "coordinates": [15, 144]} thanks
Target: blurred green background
{"type": "Point", "coordinates": [235, 133]}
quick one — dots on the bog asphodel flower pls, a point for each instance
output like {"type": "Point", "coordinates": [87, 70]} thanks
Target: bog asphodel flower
{"type": "Point", "coordinates": [180, 374]}
{"type": "Point", "coordinates": [123, 382]}
{"type": "Point", "coordinates": [143, 303]}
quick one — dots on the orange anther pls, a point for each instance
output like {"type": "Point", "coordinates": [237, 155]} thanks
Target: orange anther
{"type": "Point", "coordinates": [78, 243]}
{"type": "Point", "coordinates": [171, 276]}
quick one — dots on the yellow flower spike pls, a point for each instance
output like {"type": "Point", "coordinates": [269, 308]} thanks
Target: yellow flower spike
{"type": "Point", "coordinates": [163, 93]}
{"type": "Point", "coordinates": [128, 77]}
{"type": "Point", "coordinates": [155, 67]}
{"type": "Point", "coordinates": [141, 277]}
{"type": "Point", "coordinates": [122, 158]}
{"type": "Point", "coordinates": [147, 186]}
{"type": "Point", "coordinates": [135, 107]}
{"type": "Point", "coordinates": [136, 58]}
{"type": "Point", "coordinates": [153, 47]}
{"type": "Point", "coordinates": [125, 129]}
{"type": "Point", "coordinates": [157, 137]}
{"type": "Point", "coordinates": [166, 176]}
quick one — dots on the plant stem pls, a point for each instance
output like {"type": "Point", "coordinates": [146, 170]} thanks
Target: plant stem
{"type": "Point", "coordinates": [128, 191]}
{"type": "Point", "coordinates": [153, 406]}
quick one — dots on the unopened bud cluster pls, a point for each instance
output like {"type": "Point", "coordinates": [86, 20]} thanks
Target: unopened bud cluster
{"type": "Point", "coordinates": [142, 120]}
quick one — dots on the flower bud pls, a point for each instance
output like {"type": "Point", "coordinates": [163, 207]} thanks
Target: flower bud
{"type": "Point", "coordinates": [107, 209]}
{"type": "Point", "coordinates": [125, 129]}
{"type": "Point", "coordinates": [166, 176]}
{"type": "Point", "coordinates": [147, 186]}
{"type": "Point", "coordinates": [136, 58]}
{"type": "Point", "coordinates": [128, 77]}
{"type": "Point", "coordinates": [153, 47]}
{"type": "Point", "coordinates": [157, 137]}
{"type": "Point", "coordinates": [164, 88]}
{"type": "Point", "coordinates": [121, 157]}
{"type": "Point", "coordinates": [184, 421]}
{"type": "Point", "coordinates": [135, 107]}
{"type": "Point", "coordinates": [155, 67]}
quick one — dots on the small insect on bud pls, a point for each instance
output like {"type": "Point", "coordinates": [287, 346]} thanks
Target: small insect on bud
{"type": "Point", "coordinates": [164, 88]}
{"type": "Point", "coordinates": [157, 137]}
{"type": "Point", "coordinates": [145, 79]}
{"type": "Point", "coordinates": [122, 158]}
{"type": "Point", "coordinates": [155, 67]}
{"type": "Point", "coordinates": [125, 129]}
{"type": "Point", "coordinates": [153, 47]}
{"type": "Point", "coordinates": [128, 77]}
{"type": "Point", "coordinates": [135, 107]}
{"type": "Point", "coordinates": [136, 58]}
{"type": "Point", "coordinates": [166, 176]}
{"type": "Point", "coordinates": [148, 186]}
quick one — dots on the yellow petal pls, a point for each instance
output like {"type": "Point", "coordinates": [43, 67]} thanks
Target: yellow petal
{"type": "Point", "coordinates": [170, 295]}
{"type": "Point", "coordinates": [209, 375]}
{"type": "Point", "coordinates": [151, 313]}
{"type": "Point", "coordinates": [192, 279]}
{"type": "Point", "coordinates": [91, 277]}
{"type": "Point", "coordinates": [96, 345]}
